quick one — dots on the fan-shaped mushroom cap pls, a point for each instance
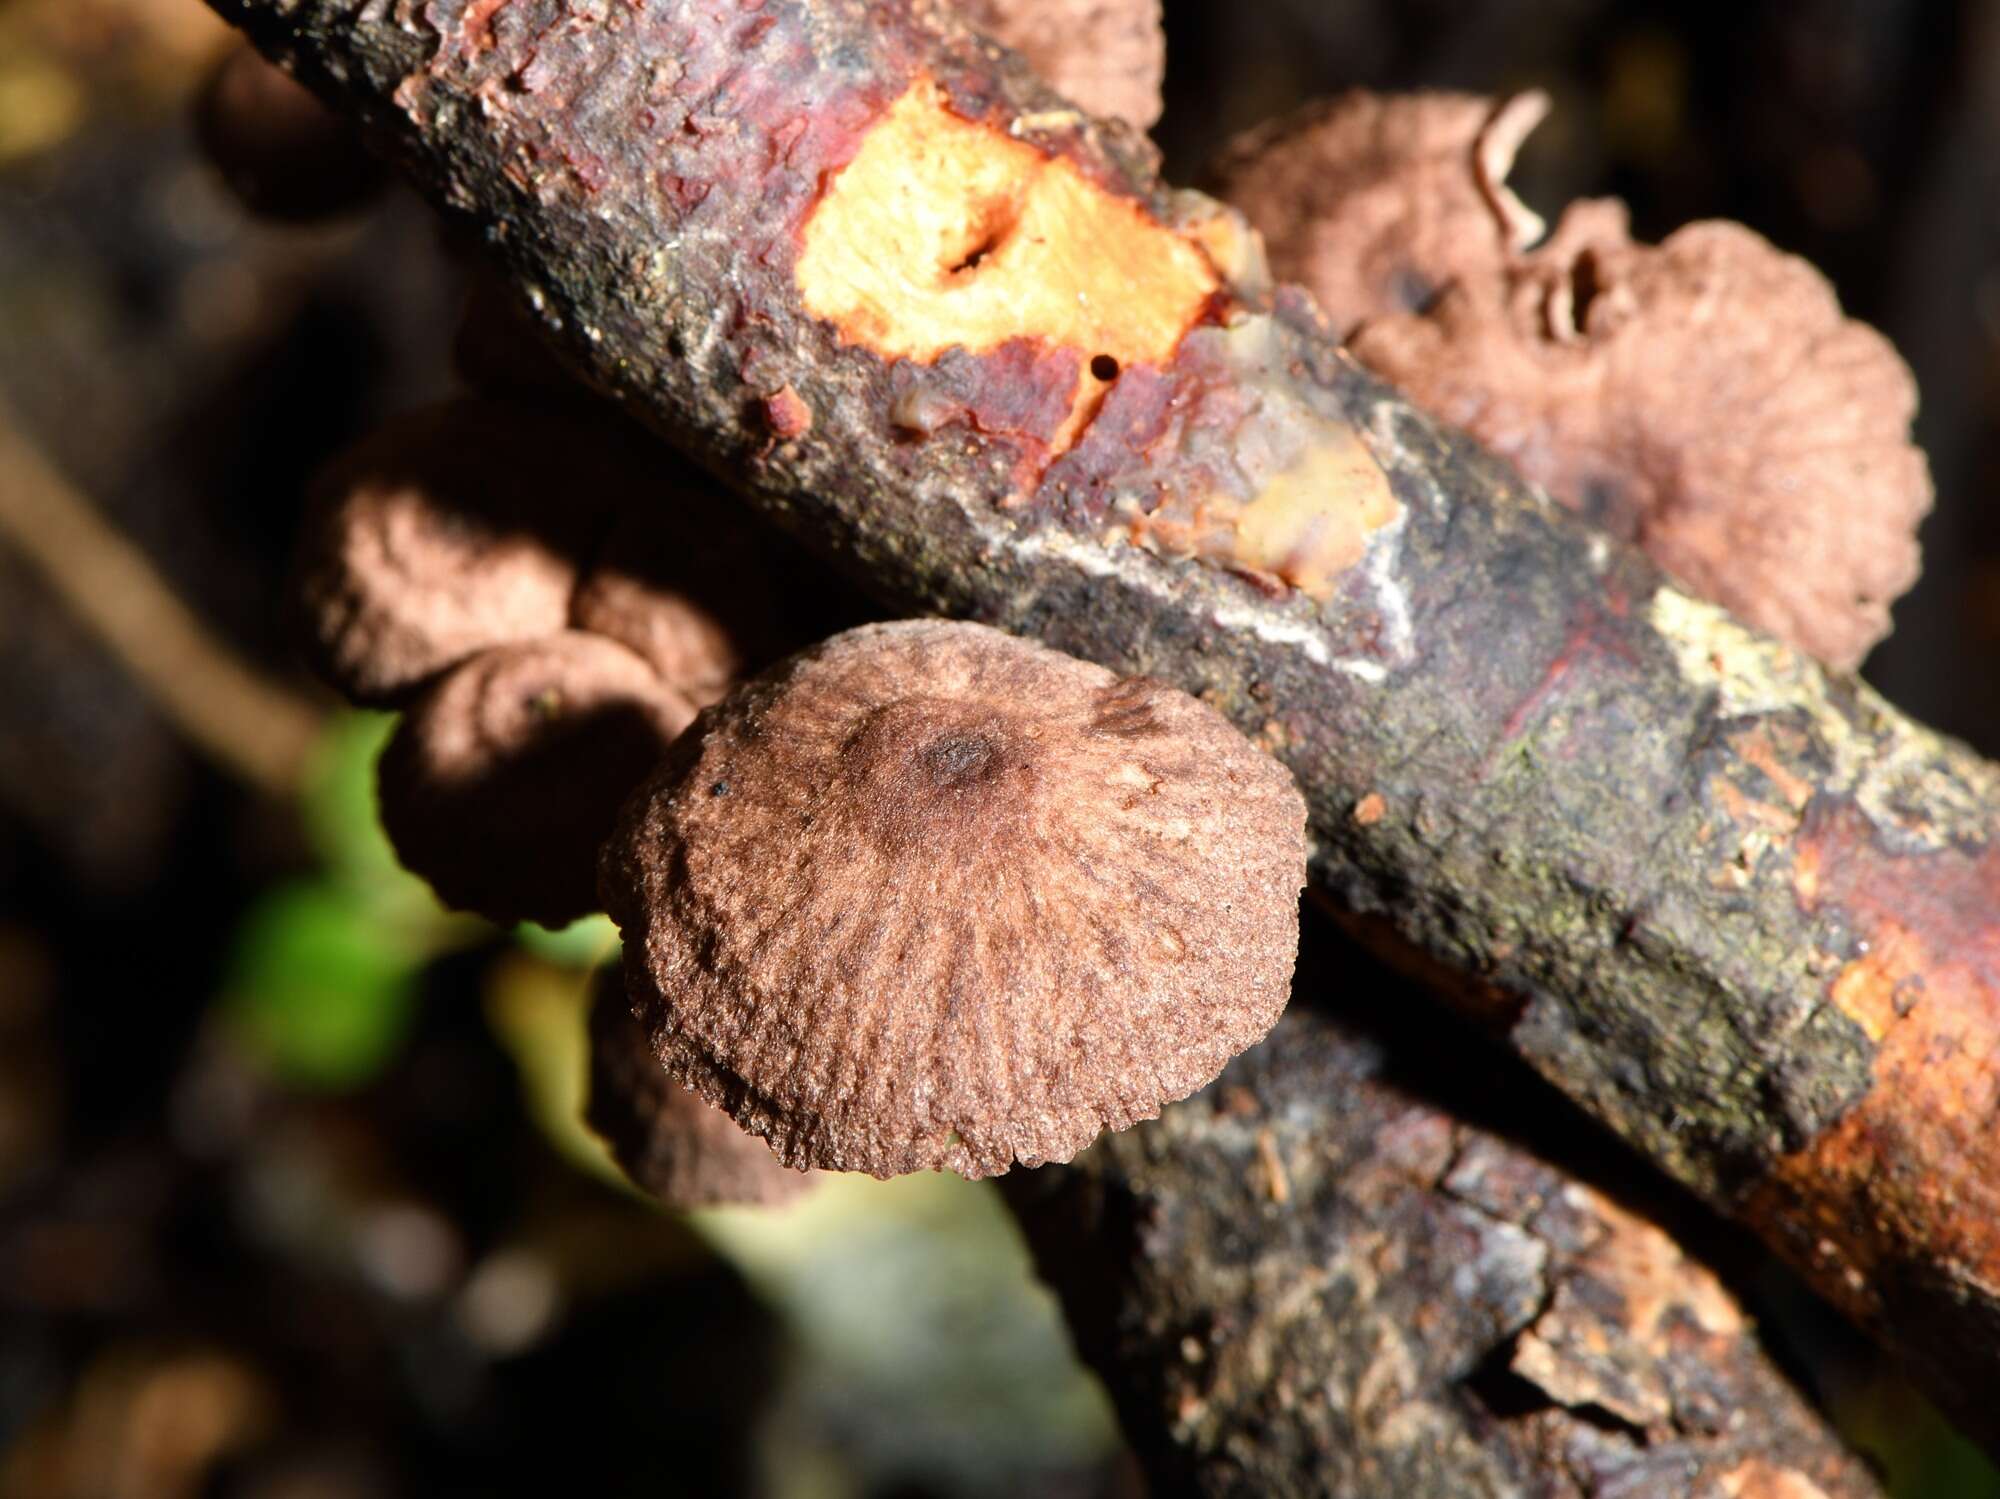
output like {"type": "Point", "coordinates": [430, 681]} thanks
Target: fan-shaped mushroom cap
{"type": "Point", "coordinates": [504, 778]}
{"type": "Point", "coordinates": [452, 529]}
{"type": "Point", "coordinates": [930, 896]}
{"type": "Point", "coordinates": [1705, 397]}
{"type": "Point", "coordinates": [687, 1153]}
{"type": "Point", "coordinates": [1377, 202]}
{"type": "Point", "coordinates": [1106, 56]}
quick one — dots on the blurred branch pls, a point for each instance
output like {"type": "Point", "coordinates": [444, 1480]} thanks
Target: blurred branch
{"type": "Point", "coordinates": [249, 725]}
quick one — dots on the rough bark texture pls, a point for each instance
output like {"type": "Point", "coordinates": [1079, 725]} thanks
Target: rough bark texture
{"type": "Point", "coordinates": [1310, 1280]}
{"type": "Point", "coordinates": [1740, 910]}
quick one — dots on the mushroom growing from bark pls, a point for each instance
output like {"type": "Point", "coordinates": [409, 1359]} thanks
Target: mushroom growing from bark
{"type": "Point", "coordinates": [283, 153]}
{"type": "Point", "coordinates": [1106, 56]}
{"type": "Point", "coordinates": [434, 539]}
{"type": "Point", "coordinates": [683, 1151]}
{"type": "Point", "coordinates": [1377, 202]}
{"type": "Point", "coordinates": [930, 896]}
{"type": "Point", "coordinates": [688, 592]}
{"type": "Point", "coordinates": [504, 778]}
{"type": "Point", "coordinates": [1704, 397]}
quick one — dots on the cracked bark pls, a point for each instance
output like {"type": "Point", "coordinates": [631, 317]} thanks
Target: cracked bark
{"type": "Point", "coordinates": [1312, 1279]}
{"type": "Point", "coordinates": [1738, 909]}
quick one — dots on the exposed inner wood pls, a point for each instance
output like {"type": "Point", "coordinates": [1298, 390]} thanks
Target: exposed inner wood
{"type": "Point", "coordinates": [944, 233]}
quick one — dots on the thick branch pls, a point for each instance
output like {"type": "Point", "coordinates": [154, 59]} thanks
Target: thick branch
{"type": "Point", "coordinates": [1309, 1280]}
{"type": "Point", "coordinates": [1741, 911]}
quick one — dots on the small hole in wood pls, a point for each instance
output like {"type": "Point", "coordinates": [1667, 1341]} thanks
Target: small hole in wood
{"type": "Point", "coordinates": [979, 252]}
{"type": "Point", "coordinates": [1104, 368]}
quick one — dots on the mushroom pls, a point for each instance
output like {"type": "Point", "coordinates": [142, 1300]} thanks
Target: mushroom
{"type": "Point", "coordinates": [1106, 56]}
{"type": "Point", "coordinates": [506, 775]}
{"type": "Point", "coordinates": [928, 896]}
{"type": "Point", "coordinates": [671, 1144]}
{"type": "Point", "coordinates": [687, 591]}
{"type": "Point", "coordinates": [455, 528]}
{"type": "Point", "coordinates": [1375, 203]}
{"type": "Point", "coordinates": [1704, 397]}
{"type": "Point", "coordinates": [283, 153]}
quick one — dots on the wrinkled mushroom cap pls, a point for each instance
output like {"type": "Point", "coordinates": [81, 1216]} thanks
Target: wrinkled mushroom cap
{"type": "Point", "coordinates": [685, 590]}
{"type": "Point", "coordinates": [1377, 202]}
{"type": "Point", "coordinates": [930, 896]}
{"type": "Point", "coordinates": [505, 776]}
{"type": "Point", "coordinates": [1705, 398]}
{"type": "Point", "coordinates": [683, 1151]}
{"type": "Point", "coordinates": [1108, 57]}
{"type": "Point", "coordinates": [440, 536]}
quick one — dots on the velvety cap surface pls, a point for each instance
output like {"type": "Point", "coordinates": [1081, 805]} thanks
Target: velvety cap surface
{"type": "Point", "coordinates": [931, 896]}
{"type": "Point", "coordinates": [506, 775]}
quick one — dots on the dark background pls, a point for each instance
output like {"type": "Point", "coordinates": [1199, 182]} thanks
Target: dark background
{"type": "Point", "coordinates": [289, 1200]}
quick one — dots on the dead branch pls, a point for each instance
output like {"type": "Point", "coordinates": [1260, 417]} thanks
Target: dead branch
{"type": "Point", "coordinates": [872, 274]}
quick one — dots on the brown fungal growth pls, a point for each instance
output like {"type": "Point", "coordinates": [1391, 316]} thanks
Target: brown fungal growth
{"type": "Point", "coordinates": [930, 896]}
{"type": "Point", "coordinates": [452, 529]}
{"type": "Point", "coordinates": [505, 776]}
{"type": "Point", "coordinates": [1704, 397]}
{"type": "Point", "coordinates": [1109, 57]}
{"type": "Point", "coordinates": [683, 1151]}
{"type": "Point", "coordinates": [282, 152]}
{"type": "Point", "coordinates": [687, 591]}
{"type": "Point", "coordinates": [944, 232]}
{"type": "Point", "coordinates": [1375, 203]}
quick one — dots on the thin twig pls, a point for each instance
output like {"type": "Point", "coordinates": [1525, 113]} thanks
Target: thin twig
{"type": "Point", "coordinates": [250, 726]}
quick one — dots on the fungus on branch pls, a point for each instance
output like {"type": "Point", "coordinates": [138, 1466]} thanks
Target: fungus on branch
{"type": "Point", "coordinates": [1377, 202]}
{"type": "Point", "coordinates": [683, 1151]}
{"type": "Point", "coordinates": [484, 522]}
{"type": "Point", "coordinates": [1107, 56]}
{"type": "Point", "coordinates": [504, 778]}
{"type": "Point", "coordinates": [688, 593]}
{"type": "Point", "coordinates": [1704, 397]}
{"type": "Point", "coordinates": [431, 541]}
{"type": "Point", "coordinates": [1608, 805]}
{"type": "Point", "coordinates": [930, 896]}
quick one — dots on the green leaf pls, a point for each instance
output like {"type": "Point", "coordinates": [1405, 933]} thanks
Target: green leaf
{"type": "Point", "coordinates": [320, 990]}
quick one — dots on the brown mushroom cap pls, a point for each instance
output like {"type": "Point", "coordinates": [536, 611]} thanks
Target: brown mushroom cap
{"type": "Point", "coordinates": [687, 1153]}
{"type": "Point", "coordinates": [452, 529]}
{"type": "Point", "coordinates": [505, 776]}
{"type": "Point", "coordinates": [687, 591]}
{"type": "Point", "coordinates": [930, 896]}
{"type": "Point", "coordinates": [1377, 202]}
{"type": "Point", "coordinates": [282, 152]}
{"type": "Point", "coordinates": [1704, 397]}
{"type": "Point", "coordinates": [1106, 56]}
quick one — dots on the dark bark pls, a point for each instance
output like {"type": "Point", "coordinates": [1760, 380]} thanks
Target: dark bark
{"type": "Point", "coordinates": [1740, 910]}
{"type": "Point", "coordinates": [1311, 1279]}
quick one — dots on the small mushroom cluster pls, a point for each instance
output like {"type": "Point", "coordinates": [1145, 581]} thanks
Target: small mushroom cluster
{"type": "Point", "coordinates": [516, 579]}
{"type": "Point", "coordinates": [1704, 397]}
{"type": "Point", "coordinates": [921, 896]}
